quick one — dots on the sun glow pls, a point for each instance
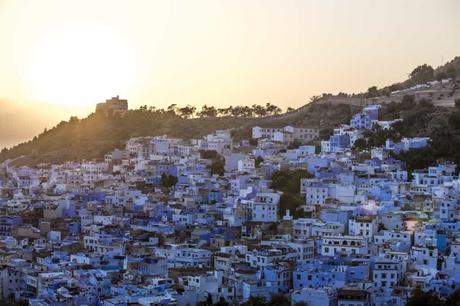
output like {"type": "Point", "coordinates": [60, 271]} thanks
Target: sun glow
{"type": "Point", "coordinates": [79, 65]}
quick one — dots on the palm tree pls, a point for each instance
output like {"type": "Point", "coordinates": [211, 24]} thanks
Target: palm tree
{"type": "Point", "coordinates": [222, 111]}
{"type": "Point", "coordinates": [259, 110]}
{"type": "Point", "coordinates": [207, 111]}
{"type": "Point", "coordinates": [172, 108]}
{"type": "Point", "coordinates": [272, 109]}
{"type": "Point", "coordinates": [314, 98]}
{"type": "Point", "coordinates": [226, 111]}
{"type": "Point", "coordinates": [237, 111]}
{"type": "Point", "coordinates": [187, 111]}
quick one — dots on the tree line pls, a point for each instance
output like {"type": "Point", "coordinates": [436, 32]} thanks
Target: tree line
{"type": "Point", "coordinates": [190, 111]}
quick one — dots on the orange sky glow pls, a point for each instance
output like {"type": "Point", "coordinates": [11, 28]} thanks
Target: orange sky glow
{"type": "Point", "coordinates": [59, 58]}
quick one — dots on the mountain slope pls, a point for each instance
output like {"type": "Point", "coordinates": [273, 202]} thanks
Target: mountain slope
{"type": "Point", "coordinates": [95, 135]}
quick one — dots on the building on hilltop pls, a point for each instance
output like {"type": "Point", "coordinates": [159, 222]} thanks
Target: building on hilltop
{"type": "Point", "coordinates": [112, 107]}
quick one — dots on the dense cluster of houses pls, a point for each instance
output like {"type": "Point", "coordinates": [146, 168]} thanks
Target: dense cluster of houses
{"type": "Point", "coordinates": [112, 232]}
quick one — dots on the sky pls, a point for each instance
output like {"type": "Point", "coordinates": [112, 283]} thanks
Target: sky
{"type": "Point", "coordinates": [60, 58]}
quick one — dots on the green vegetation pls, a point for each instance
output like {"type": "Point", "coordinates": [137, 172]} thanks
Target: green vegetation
{"type": "Point", "coordinates": [442, 127]}
{"type": "Point", "coordinates": [208, 154]}
{"type": "Point", "coordinates": [422, 298]}
{"type": "Point", "coordinates": [420, 118]}
{"type": "Point", "coordinates": [190, 111]}
{"type": "Point", "coordinates": [96, 135]}
{"type": "Point", "coordinates": [377, 137]}
{"type": "Point", "coordinates": [168, 181]}
{"type": "Point", "coordinates": [288, 181]}
{"type": "Point", "coordinates": [217, 161]}
{"type": "Point", "coordinates": [420, 75]}
{"type": "Point", "coordinates": [276, 300]}
{"type": "Point", "coordinates": [258, 161]}
{"type": "Point", "coordinates": [217, 165]}
{"type": "Point", "coordinates": [457, 102]}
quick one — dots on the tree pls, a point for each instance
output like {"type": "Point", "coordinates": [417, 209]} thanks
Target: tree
{"type": "Point", "coordinates": [208, 154]}
{"type": "Point", "coordinates": [217, 161]}
{"type": "Point", "coordinates": [259, 110]}
{"type": "Point", "coordinates": [441, 75]}
{"type": "Point", "coordinates": [236, 111]}
{"type": "Point", "coordinates": [247, 112]}
{"type": "Point", "coordinates": [422, 74]}
{"type": "Point", "coordinates": [294, 145]}
{"type": "Point", "coordinates": [222, 111]}
{"type": "Point", "coordinates": [168, 181]}
{"type": "Point", "coordinates": [453, 299]}
{"type": "Point", "coordinates": [255, 301]}
{"type": "Point", "coordinates": [221, 302]}
{"type": "Point", "coordinates": [279, 299]}
{"type": "Point", "coordinates": [225, 111]}
{"type": "Point", "coordinates": [372, 92]}
{"type": "Point", "coordinates": [408, 102]}
{"type": "Point", "coordinates": [457, 102]}
{"type": "Point", "coordinates": [207, 111]}
{"type": "Point", "coordinates": [172, 108]}
{"type": "Point", "coordinates": [360, 144]}
{"type": "Point", "coordinates": [325, 133]}
{"type": "Point", "coordinates": [217, 166]}
{"type": "Point", "coordinates": [209, 300]}
{"type": "Point", "coordinates": [425, 103]}
{"type": "Point", "coordinates": [314, 98]}
{"type": "Point", "coordinates": [187, 111]}
{"type": "Point", "coordinates": [288, 181]}
{"type": "Point", "coordinates": [73, 119]}
{"type": "Point", "coordinates": [422, 298]}
{"type": "Point", "coordinates": [290, 109]}
{"type": "Point", "coordinates": [258, 161]}
{"type": "Point", "coordinates": [272, 109]}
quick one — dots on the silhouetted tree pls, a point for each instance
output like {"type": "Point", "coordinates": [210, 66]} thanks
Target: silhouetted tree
{"type": "Point", "coordinates": [187, 111]}
{"type": "Point", "coordinates": [421, 298]}
{"type": "Point", "coordinates": [259, 110]}
{"type": "Point", "coordinates": [314, 98]}
{"type": "Point", "coordinates": [422, 74]}
{"type": "Point", "coordinates": [372, 92]}
{"type": "Point", "coordinates": [207, 111]}
{"type": "Point", "coordinates": [172, 108]}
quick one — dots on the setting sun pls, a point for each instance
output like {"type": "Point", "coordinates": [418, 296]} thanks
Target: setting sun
{"type": "Point", "coordinates": [78, 64]}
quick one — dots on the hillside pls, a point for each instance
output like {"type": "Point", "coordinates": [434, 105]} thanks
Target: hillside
{"type": "Point", "coordinates": [93, 136]}
{"type": "Point", "coordinates": [420, 118]}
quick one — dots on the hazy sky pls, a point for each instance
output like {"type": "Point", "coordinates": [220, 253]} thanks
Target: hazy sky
{"type": "Point", "coordinates": [59, 58]}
